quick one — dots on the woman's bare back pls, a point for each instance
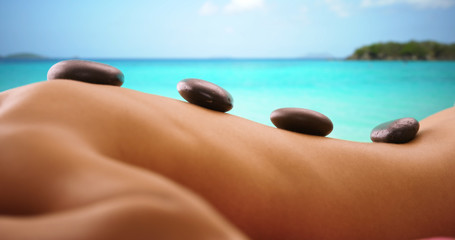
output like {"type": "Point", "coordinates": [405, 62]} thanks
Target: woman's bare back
{"type": "Point", "coordinates": [66, 144]}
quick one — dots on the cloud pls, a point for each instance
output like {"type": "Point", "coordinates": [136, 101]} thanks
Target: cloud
{"type": "Point", "coordinates": [414, 3]}
{"type": "Point", "coordinates": [243, 5]}
{"type": "Point", "coordinates": [208, 9]}
{"type": "Point", "coordinates": [338, 7]}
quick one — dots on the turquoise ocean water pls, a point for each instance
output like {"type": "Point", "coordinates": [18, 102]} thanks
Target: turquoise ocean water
{"type": "Point", "coordinates": [356, 95]}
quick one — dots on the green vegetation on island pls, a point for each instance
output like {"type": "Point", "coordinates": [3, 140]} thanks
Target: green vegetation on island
{"type": "Point", "coordinates": [23, 56]}
{"type": "Point", "coordinates": [427, 50]}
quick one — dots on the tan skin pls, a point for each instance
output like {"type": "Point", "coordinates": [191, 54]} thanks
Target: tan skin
{"type": "Point", "coordinates": [102, 162]}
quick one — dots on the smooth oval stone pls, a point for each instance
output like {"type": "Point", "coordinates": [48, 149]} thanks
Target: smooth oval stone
{"type": "Point", "coordinates": [86, 71]}
{"type": "Point", "coordinates": [205, 94]}
{"type": "Point", "coordinates": [302, 121]}
{"type": "Point", "coordinates": [401, 130]}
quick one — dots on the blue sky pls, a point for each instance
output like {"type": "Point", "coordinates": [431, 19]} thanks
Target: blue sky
{"type": "Point", "coordinates": [217, 28]}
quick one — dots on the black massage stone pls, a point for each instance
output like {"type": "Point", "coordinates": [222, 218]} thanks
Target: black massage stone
{"type": "Point", "coordinates": [401, 130]}
{"type": "Point", "coordinates": [205, 94]}
{"type": "Point", "coordinates": [302, 121]}
{"type": "Point", "coordinates": [86, 71]}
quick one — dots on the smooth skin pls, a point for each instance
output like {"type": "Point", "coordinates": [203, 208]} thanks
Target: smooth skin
{"type": "Point", "coordinates": [88, 161]}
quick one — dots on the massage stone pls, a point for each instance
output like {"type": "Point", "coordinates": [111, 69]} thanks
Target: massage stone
{"type": "Point", "coordinates": [302, 121]}
{"type": "Point", "coordinates": [86, 71]}
{"type": "Point", "coordinates": [401, 130]}
{"type": "Point", "coordinates": [205, 94]}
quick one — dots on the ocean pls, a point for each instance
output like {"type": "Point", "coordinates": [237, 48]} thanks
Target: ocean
{"type": "Point", "coordinates": [355, 95]}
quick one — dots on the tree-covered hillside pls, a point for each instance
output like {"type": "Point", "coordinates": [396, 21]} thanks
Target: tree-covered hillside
{"type": "Point", "coordinates": [23, 56]}
{"type": "Point", "coordinates": [428, 50]}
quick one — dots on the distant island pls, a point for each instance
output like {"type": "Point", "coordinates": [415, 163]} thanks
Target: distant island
{"type": "Point", "coordinates": [427, 50]}
{"type": "Point", "coordinates": [23, 56]}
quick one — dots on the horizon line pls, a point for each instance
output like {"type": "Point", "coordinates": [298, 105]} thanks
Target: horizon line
{"type": "Point", "coordinates": [174, 58]}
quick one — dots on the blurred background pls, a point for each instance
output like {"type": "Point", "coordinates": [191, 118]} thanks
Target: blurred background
{"type": "Point", "coordinates": [267, 53]}
{"type": "Point", "coordinates": [217, 28]}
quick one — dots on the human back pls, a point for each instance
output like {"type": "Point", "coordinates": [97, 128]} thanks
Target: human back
{"type": "Point", "coordinates": [271, 183]}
